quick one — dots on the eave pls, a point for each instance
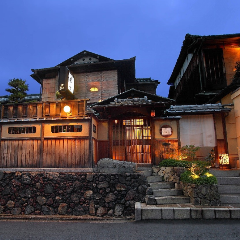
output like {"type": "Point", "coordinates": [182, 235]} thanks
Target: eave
{"type": "Point", "coordinates": [192, 42]}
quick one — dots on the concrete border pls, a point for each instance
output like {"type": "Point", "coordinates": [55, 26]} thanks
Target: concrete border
{"type": "Point", "coordinates": [187, 211]}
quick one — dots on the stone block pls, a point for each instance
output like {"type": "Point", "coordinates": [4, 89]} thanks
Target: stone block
{"type": "Point", "coordinates": [196, 213]}
{"type": "Point", "coordinates": [151, 213]}
{"type": "Point", "coordinates": [167, 213]}
{"type": "Point", "coordinates": [208, 213]}
{"type": "Point", "coordinates": [235, 213]}
{"type": "Point", "coordinates": [138, 211]}
{"type": "Point", "coordinates": [107, 165]}
{"type": "Point", "coordinates": [222, 213]}
{"type": "Point", "coordinates": [182, 213]}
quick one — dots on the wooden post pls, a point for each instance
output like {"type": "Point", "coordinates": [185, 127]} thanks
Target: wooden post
{"type": "Point", "coordinates": [178, 135]}
{"type": "Point", "coordinates": [90, 143]}
{"type": "Point", "coordinates": [110, 137]}
{"type": "Point", "coordinates": [41, 146]}
{"type": "Point", "coordinates": [152, 125]}
{"type": "Point", "coordinates": [1, 146]}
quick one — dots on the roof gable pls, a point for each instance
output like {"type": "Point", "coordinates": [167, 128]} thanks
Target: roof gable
{"type": "Point", "coordinates": [134, 95]}
{"type": "Point", "coordinates": [84, 57]}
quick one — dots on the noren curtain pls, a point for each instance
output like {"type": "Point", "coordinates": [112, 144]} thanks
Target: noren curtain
{"type": "Point", "coordinates": [197, 130]}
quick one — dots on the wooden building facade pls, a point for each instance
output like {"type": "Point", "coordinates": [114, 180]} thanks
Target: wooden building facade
{"type": "Point", "coordinates": [93, 107]}
{"type": "Point", "coordinates": [205, 73]}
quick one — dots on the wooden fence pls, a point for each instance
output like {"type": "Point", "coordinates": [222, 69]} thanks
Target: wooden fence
{"type": "Point", "coordinates": [49, 153]}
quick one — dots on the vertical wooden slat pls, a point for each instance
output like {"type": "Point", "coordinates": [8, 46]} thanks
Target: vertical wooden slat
{"type": "Point", "coordinates": [57, 153]}
{"type": "Point", "coordinates": [61, 155]}
{"type": "Point", "coordinates": [41, 156]}
{"type": "Point", "coordinates": [65, 147]}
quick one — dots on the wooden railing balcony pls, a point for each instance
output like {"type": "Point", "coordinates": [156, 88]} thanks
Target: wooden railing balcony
{"type": "Point", "coordinates": [42, 110]}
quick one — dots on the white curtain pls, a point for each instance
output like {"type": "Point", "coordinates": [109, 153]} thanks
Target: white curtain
{"type": "Point", "coordinates": [197, 130]}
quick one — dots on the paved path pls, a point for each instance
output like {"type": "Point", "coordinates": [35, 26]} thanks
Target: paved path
{"type": "Point", "coordinates": [104, 230]}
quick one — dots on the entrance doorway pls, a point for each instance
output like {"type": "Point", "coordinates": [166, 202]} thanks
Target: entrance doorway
{"type": "Point", "coordinates": [131, 140]}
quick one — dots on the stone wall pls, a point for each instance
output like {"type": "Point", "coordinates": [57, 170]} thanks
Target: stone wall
{"type": "Point", "coordinates": [205, 195]}
{"type": "Point", "coordinates": [50, 193]}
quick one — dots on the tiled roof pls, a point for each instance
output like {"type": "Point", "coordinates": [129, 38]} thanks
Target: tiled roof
{"type": "Point", "coordinates": [147, 80]}
{"type": "Point", "coordinates": [204, 108]}
{"type": "Point", "coordinates": [135, 94]}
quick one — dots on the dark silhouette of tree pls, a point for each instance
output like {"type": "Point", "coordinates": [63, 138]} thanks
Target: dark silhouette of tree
{"type": "Point", "coordinates": [18, 89]}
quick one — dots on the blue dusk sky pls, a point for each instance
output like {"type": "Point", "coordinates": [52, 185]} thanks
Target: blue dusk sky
{"type": "Point", "coordinates": [43, 33]}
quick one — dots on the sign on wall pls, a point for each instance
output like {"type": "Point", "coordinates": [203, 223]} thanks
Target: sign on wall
{"type": "Point", "coordinates": [70, 82]}
{"type": "Point", "coordinates": [166, 131]}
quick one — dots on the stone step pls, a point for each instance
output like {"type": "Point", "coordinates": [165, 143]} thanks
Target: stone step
{"type": "Point", "coordinates": [230, 199]}
{"type": "Point", "coordinates": [167, 192]}
{"type": "Point", "coordinates": [228, 189]}
{"type": "Point", "coordinates": [154, 179]}
{"type": "Point", "coordinates": [228, 180]}
{"type": "Point", "coordinates": [172, 200]}
{"type": "Point", "coordinates": [162, 185]}
{"type": "Point", "coordinates": [184, 211]}
{"type": "Point", "coordinates": [225, 173]}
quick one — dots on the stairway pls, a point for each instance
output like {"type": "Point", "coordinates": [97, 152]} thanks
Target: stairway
{"type": "Point", "coordinates": [164, 201]}
{"type": "Point", "coordinates": [163, 193]}
{"type": "Point", "coordinates": [228, 186]}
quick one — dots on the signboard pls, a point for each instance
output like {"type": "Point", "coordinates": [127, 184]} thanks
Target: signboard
{"type": "Point", "coordinates": [166, 131]}
{"type": "Point", "coordinates": [70, 82]}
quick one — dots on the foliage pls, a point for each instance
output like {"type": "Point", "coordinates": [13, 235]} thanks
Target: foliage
{"type": "Point", "coordinates": [237, 72]}
{"type": "Point", "coordinates": [18, 89]}
{"type": "Point", "coordinates": [206, 178]}
{"type": "Point", "coordinates": [211, 158]}
{"type": "Point", "coordinates": [174, 163]}
{"type": "Point", "coordinates": [189, 152]}
{"type": "Point", "coordinates": [181, 163]}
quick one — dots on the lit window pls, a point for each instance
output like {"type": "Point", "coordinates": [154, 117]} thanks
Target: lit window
{"type": "Point", "coordinates": [94, 89]}
{"type": "Point", "coordinates": [21, 130]}
{"type": "Point", "coordinates": [66, 128]}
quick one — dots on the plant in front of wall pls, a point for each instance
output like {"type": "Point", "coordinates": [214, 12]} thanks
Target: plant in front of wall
{"type": "Point", "coordinates": [210, 158]}
{"type": "Point", "coordinates": [174, 163]}
{"type": "Point", "coordinates": [193, 178]}
{"type": "Point", "coordinates": [188, 152]}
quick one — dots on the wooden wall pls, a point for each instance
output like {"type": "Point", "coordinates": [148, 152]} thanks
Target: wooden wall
{"type": "Point", "coordinates": [20, 153]}
{"type": "Point", "coordinates": [66, 153]}
{"type": "Point", "coordinates": [51, 153]}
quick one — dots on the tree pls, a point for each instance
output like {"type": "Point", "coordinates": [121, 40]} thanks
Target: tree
{"type": "Point", "coordinates": [18, 89]}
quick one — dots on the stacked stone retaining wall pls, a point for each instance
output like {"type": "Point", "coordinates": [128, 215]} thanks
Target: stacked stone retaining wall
{"type": "Point", "coordinates": [51, 193]}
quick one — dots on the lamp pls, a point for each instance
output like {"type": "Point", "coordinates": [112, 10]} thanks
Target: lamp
{"type": "Point", "coordinates": [67, 109]}
{"type": "Point", "coordinates": [152, 113]}
{"type": "Point", "coordinates": [223, 159]}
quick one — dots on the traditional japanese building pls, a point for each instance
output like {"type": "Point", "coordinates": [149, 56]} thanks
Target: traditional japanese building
{"type": "Point", "coordinates": [207, 72]}
{"type": "Point", "coordinates": [94, 107]}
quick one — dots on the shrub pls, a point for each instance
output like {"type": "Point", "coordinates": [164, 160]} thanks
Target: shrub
{"type": "Point", "coordinates": [174, 163]}
{"type": "Point", "coordinates": [206, 178]}
{"type": "Point", "coordinates": [189, 151]}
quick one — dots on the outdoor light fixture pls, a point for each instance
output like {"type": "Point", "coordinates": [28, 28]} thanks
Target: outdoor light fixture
{"type": "Point", "coordinates": [152, 113]}
{"type": "Point", "coordinates": [66, 109]}
{"type": "Point", "coordinates": [223, 159]}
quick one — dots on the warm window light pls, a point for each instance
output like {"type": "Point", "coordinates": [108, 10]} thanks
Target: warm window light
{"type": "Point", "coordinates": [94, 89]}
{"type": "Point", "coordinates": [66, 109]}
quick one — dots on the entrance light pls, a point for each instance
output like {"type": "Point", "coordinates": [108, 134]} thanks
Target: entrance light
{"type": "Point", "coordinates": [66, 109]}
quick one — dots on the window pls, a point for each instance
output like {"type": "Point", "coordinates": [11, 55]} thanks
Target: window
{"type": "Point", "coordinates": [66, 128]}
{"type": "Point", "coordinates": [21, 130]}
{"type": "Point", "coordinates": [94, 128]}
